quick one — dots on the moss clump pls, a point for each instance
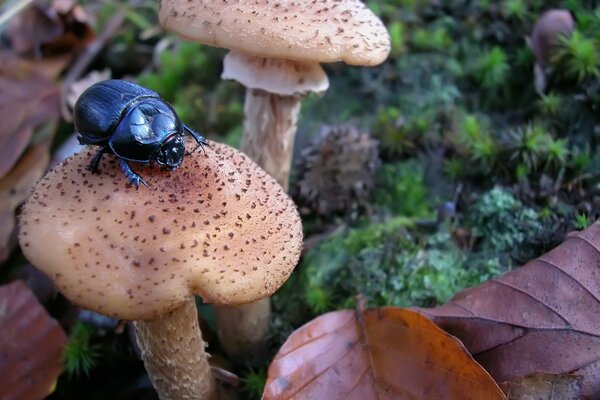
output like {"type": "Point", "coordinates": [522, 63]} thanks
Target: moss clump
{"type": "Point", "coordinates": [389, 265]}
{"type": "Point", "coordinates": [401, 190]}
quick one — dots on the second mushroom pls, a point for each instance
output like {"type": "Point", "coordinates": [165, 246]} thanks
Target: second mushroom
{"type": "Point", "coordinates": [276, 51]}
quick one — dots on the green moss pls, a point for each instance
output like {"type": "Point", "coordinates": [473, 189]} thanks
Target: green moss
{"type": "Point", "coordinates": [252, 383]}
{"type": "Point", "coordinates": [474, 138]}
{"type": "Point", "coordinates": [502, 223]}
{"type": "Point", "coordinates": [397, 37]}
{"type": "Point", "coordinates": [578, 57]}
{"type": "Point", "coordinates": [550, 104]}
{"type": "Point", "coordinates": [401, 190]}
{"type": "Point", "coordinates": [390, 266]}
{"type": "Point", "coordinates": [582, 221]}
{"type": "Point", "coordinates": [80, 354]}
{"type": "Point", "coordinates": [431, 39]}
{"type": "Point", "coordinates": [491, 68]}
{"type": "Point", "coordinates": [516, 9]}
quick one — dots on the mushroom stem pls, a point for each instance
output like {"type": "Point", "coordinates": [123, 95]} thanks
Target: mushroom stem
{"type": "Point", "coordinates": [243, 329]}
{"type": "Point", "coordinates": [270, 123]}
{"type": "Point", "coordinates": [174, 355]}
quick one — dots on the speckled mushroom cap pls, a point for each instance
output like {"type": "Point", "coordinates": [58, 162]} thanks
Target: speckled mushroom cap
{"type": "Point", "coordinates": [218, 227]}
{"type": "Point", "coordinates": [319, 30]}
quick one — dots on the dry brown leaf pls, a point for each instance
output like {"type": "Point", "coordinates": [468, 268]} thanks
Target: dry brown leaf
{"type": "Point", "coordinates": [542, 317]}
{"type": "Point", "coordinates": [28, 100]}
{"type": "Point", "coordinates": [386, 353]}
{"type": "Point", "coordinates": [16, 185]}
{"type": "Point", "coordinates": [540, 386]}
{"type": "Point", "coordinates": [50, 29]}
{"type": "Point", "coordinates": [31, 345]}
{"type": "Point", "coordinates": [30, 28]}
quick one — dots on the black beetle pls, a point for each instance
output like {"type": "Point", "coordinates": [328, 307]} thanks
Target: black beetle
{"type": "Point", "coordinates": [133, 123]}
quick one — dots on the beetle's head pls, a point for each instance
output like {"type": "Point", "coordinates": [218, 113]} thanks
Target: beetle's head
{"type": "Point", "coordinates": [171, 152]}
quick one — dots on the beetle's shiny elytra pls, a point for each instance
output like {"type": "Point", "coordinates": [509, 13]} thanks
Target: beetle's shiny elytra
{"type": "Point", "coordinates": [133, 123]}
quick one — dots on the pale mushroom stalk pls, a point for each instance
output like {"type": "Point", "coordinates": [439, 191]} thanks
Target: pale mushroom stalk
{"type": "Point", "coordinates": [217, 227]}
{"type": "Point", "coordinates": [276, 48]}
{"type": "Point", "coordinates": [270, 131]}
{"type": "Point", "coordinates": [274, 92]}
{"type": "Point", "coordinates": [174, 354]}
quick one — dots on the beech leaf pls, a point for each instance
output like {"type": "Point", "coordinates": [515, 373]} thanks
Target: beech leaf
{"type": "Point", "coordinates": [31, 345]}
{"type": "Point", "coordinates": [58, 28]}
{"type": "Point", "coordinates": [541, 317]}
{"type": "Point", "coordinates": [540, 386]}
{"type": "Point", "coordinates": [385, 353]}
{"type": "Point", "coordinates": [29, 99]}
{"type": "Point", "coordinates": [15, 187]}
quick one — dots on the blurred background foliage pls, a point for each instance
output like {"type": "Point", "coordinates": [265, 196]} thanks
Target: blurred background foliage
{"type": "Point", "coordinates": [435, 171]}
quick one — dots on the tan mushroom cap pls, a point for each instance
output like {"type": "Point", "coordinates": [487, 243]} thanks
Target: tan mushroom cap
{"type": "Point", "coordinates": [318, 31]}
{"type": "Point", "coordinates": [218, 227]}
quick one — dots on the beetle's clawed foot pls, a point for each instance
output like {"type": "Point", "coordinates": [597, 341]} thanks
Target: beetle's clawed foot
{"type": "Point", "coordinates": [134, 179]}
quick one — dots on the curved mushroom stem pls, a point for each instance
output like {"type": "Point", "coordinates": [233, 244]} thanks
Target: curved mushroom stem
{"type": "Point", "coordinates": [174, 355]}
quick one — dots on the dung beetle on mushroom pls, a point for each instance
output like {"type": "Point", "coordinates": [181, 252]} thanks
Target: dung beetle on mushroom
{"type": "Point", "coordinates": [133, 123]}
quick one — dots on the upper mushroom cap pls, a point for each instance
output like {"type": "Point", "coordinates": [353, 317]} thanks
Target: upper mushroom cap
{"type": "Point", "coordinates": [318, 31]}
{"type": "Point", "coordinates": [218, 227]}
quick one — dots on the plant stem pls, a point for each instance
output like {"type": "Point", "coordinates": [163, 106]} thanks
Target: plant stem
{"type": "Point", "coordinates": [174, 355]}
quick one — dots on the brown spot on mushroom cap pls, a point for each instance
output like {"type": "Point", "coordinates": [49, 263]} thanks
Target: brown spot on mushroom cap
{"type": "Point", "coordinates": [104, 245]}
{"type": "Point", "coordinates": [319, 30]}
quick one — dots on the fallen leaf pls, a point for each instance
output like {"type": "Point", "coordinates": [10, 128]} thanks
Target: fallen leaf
{"type": "Point", "coordinates": [28, 100]}
{"type": "Point", "coordinates": [540, 386]}
{"type": "Point", "coordinates": [50, 29]}
{"type": "Point", "coordinates": [16, 185]}
{"type": "Point", "coordinates": [31, 345]}
{"type": "Point", "coordinates": [543, 316]}
{"type": "Point", "coordinates": [21, 68]}
{"type": "Point", "coordinates": [29, 29]}
{"type": "Point", "coordinates": [385, 353]}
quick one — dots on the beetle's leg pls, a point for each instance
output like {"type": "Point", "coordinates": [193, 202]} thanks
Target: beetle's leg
{"type": "Point", "coordinates": [198, 137]}
{"type": "Point", "coordinates": [93, 165]}
{"type": "Point", "coordinates": [134, 178]}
